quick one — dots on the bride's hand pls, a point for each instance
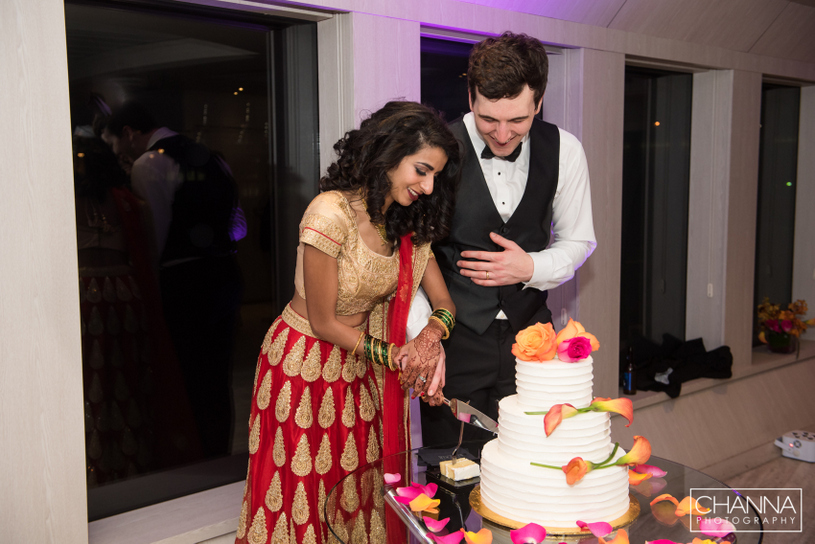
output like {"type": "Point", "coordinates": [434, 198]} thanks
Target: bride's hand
{"type": "Point", "coordinates": [420, 360]}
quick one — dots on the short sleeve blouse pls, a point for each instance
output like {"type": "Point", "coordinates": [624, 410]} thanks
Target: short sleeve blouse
{"type": "Point", "coordinates": [365, 277]}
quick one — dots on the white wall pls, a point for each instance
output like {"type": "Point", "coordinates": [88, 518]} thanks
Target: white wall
{"type": "Point", "coordinates": [41, 415]}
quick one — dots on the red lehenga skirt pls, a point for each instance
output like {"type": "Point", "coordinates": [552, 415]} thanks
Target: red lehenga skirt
{"type": "Point", "coordinates": [315, 418]}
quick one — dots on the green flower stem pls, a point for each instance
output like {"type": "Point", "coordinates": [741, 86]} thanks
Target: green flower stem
{"type": "Point", "coordinates": [609, 458]}
{"type": "Point", "coordinates": [579, 411]}
{"type": "Point", "coordinates": [545, 466]}
{"type": "Point", "coordinates": [593, 466]}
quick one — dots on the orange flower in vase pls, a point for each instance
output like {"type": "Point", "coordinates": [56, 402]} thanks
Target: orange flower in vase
{"type": "Point", "coordinates": [780, 329]}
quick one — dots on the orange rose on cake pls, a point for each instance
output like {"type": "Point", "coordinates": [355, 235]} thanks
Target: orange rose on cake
{"type": "Point", "coordinates": [536, 343]}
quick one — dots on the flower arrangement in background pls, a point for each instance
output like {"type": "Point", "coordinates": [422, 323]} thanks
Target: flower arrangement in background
{"type": "Point", "coordinates": [779, 327]}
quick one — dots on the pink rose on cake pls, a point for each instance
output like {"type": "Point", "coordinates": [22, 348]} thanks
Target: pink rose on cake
{"type": "Point", "coordinates": [535, 343]}
{"type": "Point", "coordinates": [574, 343]}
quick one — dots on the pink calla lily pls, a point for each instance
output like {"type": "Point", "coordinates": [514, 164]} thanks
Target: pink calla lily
{"type": "Point", "coordinates": [649, 469]}
{"type": "Point", "coordinates": [422, 503]}
{"type": "Point", "coordinates": [484, 536]}
{"type": "Point", "coordinates": [640, 452]}
{"type": "Point", "coordinates": [435, 525]}
{"type": "Point", "coordinates": [555, 415]}
{"type": "Point", "coordinates": [598, 529]}
{"type": "Point", "coordinates": [531, 533]}
{"type": "Point", "coordinates": [392, 478]}
{"type": "Point", "coordinates": [621, 406]}
{"type": "Point", "coordinates": [452, 538]}
{"type": "Point", "coordinates": [717, 527]}
{"type": "Point", "coordinates": [620, 538]}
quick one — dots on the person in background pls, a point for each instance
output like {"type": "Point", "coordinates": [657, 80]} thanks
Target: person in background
{"type": "Point", "coordinates": [328, 396]}
{"type": "Point", "coordinates": [193, 200]}
{"type": "Point", "coordinates": [522, 178]}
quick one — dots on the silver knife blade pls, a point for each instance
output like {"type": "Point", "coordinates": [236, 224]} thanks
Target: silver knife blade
{"type": "Point", "coordinates": [468, 414]}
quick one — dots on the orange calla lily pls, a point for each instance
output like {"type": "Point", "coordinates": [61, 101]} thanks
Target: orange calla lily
{"type": "Point", "coordinates": [640, 452]}
{"type": "Point", "coordinates": [621, 406]}
{"type": "Point", "coordinates": [484, 536]}
{"type": "Point", "coordinates": [555, 415]}
{"type": "Point", "coordinates": [422, 502]}
{"type": "Point", "coordinates": [635, 478]}
{"type": "Point", "coordinates": [689, 505]}
{"type": "Point", "coordinates": [575, 470]}
{"type": "Point", "coordinates": [620, 538]}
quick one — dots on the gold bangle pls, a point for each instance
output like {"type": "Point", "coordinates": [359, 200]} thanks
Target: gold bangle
{"type": "Point", "coordinates": [361, 336]}
{"type": "Point", "coordinates": [446, 334]}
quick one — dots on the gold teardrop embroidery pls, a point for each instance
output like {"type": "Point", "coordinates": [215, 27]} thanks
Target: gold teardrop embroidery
{"type": "Point", "coordinates": [265, 392]}
{"type": "Point", "coordinates": [281, 530]}
{"type": "Point", "coordinates": [242, 520]}
{"type": "Point", "coordinates": [300, 511]}
{"type": "Point", "coordinates": [254, 435]}
{"type": "Point", "coordinates": [361, 366]}
{"type": "Point", "coordinates": [367, 485]}
{"type": "Point", "coordinates": [283, 405]}
{"type": "Point", "coordinates": [350, 458]}
{"type": "Point", "coordinates": [374, 392]}
{"type": "Point", "coordinates": [276, 350]}
{"type": "Point", "coordinates": [323, 461]}
{"type": "Point", "coordinates": [327, 411]}
{"type": "Point", "coordinates": [301, 462]}
{"type": "Point", "coordinates": [267, 340]}
{"type": "Point", "coordinates": [294, 360]}
{"type": "Point", "coordinates": [349, 369]}
{"type": "Point", "coordinates": [333, 367]}
{"type": "Point", "coordinates": [372, 451]}
{"type": "Point", "coordinates": [378, 492]}
{"type": "Point", "coordinates": [304, 416]}
{"type": "Point", "coordinates": [257, 532]}
{"type": "Point", "coordinates": [309, 537]}
{"type": "Point", "coordinates": [321, 501]}
{"type": "Point", "coordinates": [274, 495]}
{"type": "Point", "coordinates": [312, 366]}
{"type": "Point", "coordinates": [359, 534]}
{"type": "Point", "coordinates": [366, 404]}
{"type": "Point", "coordinates": [377, 528]}
{"type": "Point", "coordinates": [349, 412]}
{"type": "Point", "coordinates": [279, 451]}
{"type": "Point", "coordinates": [350, 499]}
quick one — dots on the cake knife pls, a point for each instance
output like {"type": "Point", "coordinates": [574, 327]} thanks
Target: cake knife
{"type": "Point", "coordinates": [468, 414]}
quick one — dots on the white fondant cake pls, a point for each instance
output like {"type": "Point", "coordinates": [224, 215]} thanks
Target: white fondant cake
{"type": "Point", "coordinates": [517, 490]}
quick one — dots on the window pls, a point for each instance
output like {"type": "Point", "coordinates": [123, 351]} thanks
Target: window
{"type": "Point", "coordinates": [243, 86]}
{"type": "Point", "coordinates": [444, 76]}
{"type": "Point", "coordinates": [777, 175]}
{"type": "Point", "coordinates": [656, 164]}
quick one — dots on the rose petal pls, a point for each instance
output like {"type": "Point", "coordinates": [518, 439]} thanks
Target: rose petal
{"type": "Point", "coordinates": [484, 536]}
{"type": "Point", "coordinates": [409, 493]}
{"type": "Point", "coordinates": [665, 497]}
{"type": "Point", "coordinates": [649, 469]}
{"type": "Point", "coordinates": [531, 533]}
{"type": "Point", "coordinates": [452, 538]}
{"type": "Point", "coordinates": [636, 479]}
{"type": "Point", "coordinates": [394, 478]}
{"type": "Point", "coordinates": [620, 538]}
{"type": "Point", "coordinates": [462, 416]}
{"type": "Point", "coordinates": [689, 505]}
{"type": "Point", "coordinates": [423, 502]}
{"type": "Point", "coordinates": [598, 529]}
{"type": "Point", "coordinates": [716, 527]}
{"type": "Point", "coordinates": [435, 525]}
{"type": "Point", "coordinates": [661, 541]}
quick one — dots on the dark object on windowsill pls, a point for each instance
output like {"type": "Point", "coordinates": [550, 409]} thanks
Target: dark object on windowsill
{"type": "Point", "coordinates": [666, 367]}
{"type": "Point", "coordinates": [781, 342]}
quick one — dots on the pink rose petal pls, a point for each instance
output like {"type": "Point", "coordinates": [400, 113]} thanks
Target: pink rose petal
{"type": "Point", "coordinates": [452, 538]}
{"type": "Point", "coordinates": [649, 469]}
{"type": "Point", "coordinates": [392, 478]}
{"type": "Point", "coordinates": [464, 417]}
{"type": "Point", "coordinates": [715, 526]}
{"type": "Point", "coordinates": [409, 493]}
{"type": "Point", "coordinates": [531, 533]}
{"type": "Point", "coordinates": [435, 525]}
{"type": "Point", "coordinates": [598, 529]}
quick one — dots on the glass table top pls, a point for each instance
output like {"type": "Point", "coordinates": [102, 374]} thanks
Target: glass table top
{"type": "Point", "coordinates": [357, 505]}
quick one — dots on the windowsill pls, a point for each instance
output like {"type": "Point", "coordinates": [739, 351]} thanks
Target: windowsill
{"type": "Point", "coordinates": [762, 361]}
{"type": "Point", "coordinates": [186, 520]}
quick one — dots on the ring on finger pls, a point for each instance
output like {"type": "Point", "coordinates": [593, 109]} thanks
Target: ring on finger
{"type": "Point", "coordinates": [424, 380]}
{"type": "Point", "coordinates": [487, 274]}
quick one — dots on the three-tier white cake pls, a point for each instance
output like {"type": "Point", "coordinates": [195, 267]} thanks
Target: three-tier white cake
{"type": "Point", "coordinates": [513, 488]}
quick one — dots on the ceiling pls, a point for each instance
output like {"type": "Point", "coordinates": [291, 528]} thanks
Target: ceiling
{"type": "Point", "coordinates": [775, 28]}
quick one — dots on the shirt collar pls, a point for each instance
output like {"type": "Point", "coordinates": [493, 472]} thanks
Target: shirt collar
{"type": "Point", "coordinates": [478, 141]}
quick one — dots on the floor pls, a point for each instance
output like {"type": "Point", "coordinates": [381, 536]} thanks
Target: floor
{"type": "Point", "coordinates": [785, 472]}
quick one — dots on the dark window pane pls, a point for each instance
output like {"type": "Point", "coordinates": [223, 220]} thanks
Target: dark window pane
{"type": "Point", "coordinates": [656, 164]}
{"type": "Point", "coordinates": [444, 76]}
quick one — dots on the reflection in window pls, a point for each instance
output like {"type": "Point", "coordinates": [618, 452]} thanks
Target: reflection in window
{"type": "Point", "coordinates": [158, 424]}
{"type": "Point", "coordinates": [775, 226]}
{"type": "Point", "coordinates": [656, 164]}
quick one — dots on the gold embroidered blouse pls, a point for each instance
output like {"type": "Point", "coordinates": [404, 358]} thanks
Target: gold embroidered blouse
{"type": "Point", "coordinates": [365, 277]}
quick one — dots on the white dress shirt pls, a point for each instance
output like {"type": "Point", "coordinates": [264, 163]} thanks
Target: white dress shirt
{"type": "Point", "coordinates": [572, 238]}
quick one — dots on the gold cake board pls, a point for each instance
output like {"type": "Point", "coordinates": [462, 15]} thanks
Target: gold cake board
{"type": "Point", "coordinates": [486, 513]}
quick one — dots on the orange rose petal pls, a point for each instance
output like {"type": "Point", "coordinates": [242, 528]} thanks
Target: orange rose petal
{"type": "Point", "coordinates": [484, 536]}
{"type": "Point", "coordinates": [689, 505]}
{"type": "Point", "coordinates": [620, 538]}
{"type": "Point", "coordinates": [635, 478]}
{"type": "Point", "coordinates": [568, 332]}
{"type": "Point", "coordinates": [665, 497]}
{"type": "Point", "coordinates": [423, 502]}
{"type": "Point", "coordinates": [595, 344]}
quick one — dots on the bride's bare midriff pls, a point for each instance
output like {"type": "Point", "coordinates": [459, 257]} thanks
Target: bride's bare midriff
{"type": "Point", "coordinates": [298, 304]}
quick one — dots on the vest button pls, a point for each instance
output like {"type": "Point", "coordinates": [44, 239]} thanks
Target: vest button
{"type": "Point", "coordinates": [504, 230]}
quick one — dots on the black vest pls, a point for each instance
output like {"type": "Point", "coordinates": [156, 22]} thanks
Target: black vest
{"type": "Point", "coordinates": [204, 204]}
{"type": "Point", "coordinates": [476, 216]}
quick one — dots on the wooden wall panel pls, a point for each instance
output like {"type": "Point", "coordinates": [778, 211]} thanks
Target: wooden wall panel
{"type": "Point", "coordinates": [790, 36]}
{"type": "Point", "coordinates": [41, 409]}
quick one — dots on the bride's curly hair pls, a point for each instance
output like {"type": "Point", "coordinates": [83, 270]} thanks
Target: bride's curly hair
{"type": "Point", "coordinates": [366, 155]}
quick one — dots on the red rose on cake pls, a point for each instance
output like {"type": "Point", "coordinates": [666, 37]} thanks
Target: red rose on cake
{"type": "Point", "coordinates": [540, 343]}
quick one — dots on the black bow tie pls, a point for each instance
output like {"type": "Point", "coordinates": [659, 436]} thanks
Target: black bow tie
{"type": "Point", "coordinates": [488, 154]}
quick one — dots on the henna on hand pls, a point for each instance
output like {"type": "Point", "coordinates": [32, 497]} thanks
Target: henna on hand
{"type": "Point", "coordinates": [422, 359]}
